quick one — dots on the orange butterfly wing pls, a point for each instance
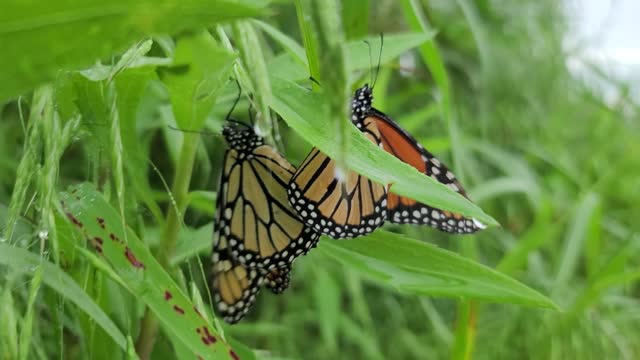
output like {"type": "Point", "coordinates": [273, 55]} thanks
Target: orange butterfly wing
{"type": "Point", "coordinates": [403, 210]}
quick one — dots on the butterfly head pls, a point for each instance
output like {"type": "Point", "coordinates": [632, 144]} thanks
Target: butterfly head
{"type": "Point", "coordinates": [240, 136]}
{"type": "Point", "coordinates": [361, 103]}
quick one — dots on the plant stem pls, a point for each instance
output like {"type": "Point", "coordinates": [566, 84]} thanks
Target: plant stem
{"type": "Point", "coordinates": [465, 330]}
{"type": "Point", "coordinates": [175, 212]}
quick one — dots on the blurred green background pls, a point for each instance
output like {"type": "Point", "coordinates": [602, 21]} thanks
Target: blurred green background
{"type": "Point", "coordinates": [550, 152]}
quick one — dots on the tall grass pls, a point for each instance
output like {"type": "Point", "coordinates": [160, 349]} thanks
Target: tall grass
{"type": "Point", "coordinates": [538, 149]}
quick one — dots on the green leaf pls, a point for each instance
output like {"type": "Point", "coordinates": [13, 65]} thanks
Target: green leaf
{"type": "Point", "coordinates": [305, 113]}
{"type": "Point", "coordinates": [22, 260]}
{"type": "Point", "coordinates": [290, 45]}
{"type": "Point", "coordinates": [27, 322]}
{"type": "Point", "coordinates": [355, 18]}
{"type": "Point", "coordinates": [256, 74]}
{"type": "Point", "coordinates": [292, 65]}
{"type": "Point", "coordinates": [430, 54]}
{"type": "Point", "coordinates": [131, 85]}
{"type": "Point", "coordinates": [140, 271]}
{"type": "Point", "coordinates": [42, 37]}
{"type": "Point", "coordinates": [575, 241]}
{"type": "Point", "coordinates": [192, 242]}
{"type": "Point", "coordinates": [415, 267]}
{"type": "Point", "coordinates": [199, 72]}
{"type": "Point", "coordinates": [394, 45]}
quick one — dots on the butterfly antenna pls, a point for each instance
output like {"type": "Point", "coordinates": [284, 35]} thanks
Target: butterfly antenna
{"type": "Point", "coordinates": [193, 131]}
{"type": "Point", "coordinates": [379, 59]}
{"type": "Point", "coordinates": [235, 102]}
{"type": "Point", "coordinates": [370, 60]}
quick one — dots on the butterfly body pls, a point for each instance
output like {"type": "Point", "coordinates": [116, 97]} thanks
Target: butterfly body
{"type": "Point", "coordinates": [257, 234]}
{"type": "Point", "coordinates": [404, 146]}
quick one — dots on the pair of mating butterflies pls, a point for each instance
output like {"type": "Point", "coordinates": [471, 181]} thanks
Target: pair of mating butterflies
{"type": "Point", "coordinates": [269, 213]}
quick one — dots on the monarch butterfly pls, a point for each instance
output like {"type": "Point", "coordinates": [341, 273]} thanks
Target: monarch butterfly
{"type": "Point", "coordinates": [235, 286]}
{"type": "Point", "coordinates": [402, 145]}
{"type": "Point", "coordinates": [339, 206]}
{"type": "Point", "coordinates": [257, 235]}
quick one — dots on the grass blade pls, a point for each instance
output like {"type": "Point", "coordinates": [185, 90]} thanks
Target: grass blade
{"type": "Point", "coordinates": [24, 261]}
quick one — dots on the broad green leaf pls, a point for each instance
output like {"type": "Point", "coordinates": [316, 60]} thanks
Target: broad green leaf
{"type": "Point", "coordinates": [290, 45]}
{"type": "Point", "coordinates": [22, 260]}
{"type": "Point", "coordinates": [139, 270]}
{"type": "Point", "coordinates": [358, 51]}
{"type": "Point", "coordinates": [415, 267]}
{"type": "Point", "coordinates": [305, 113]}
{"type": "Point", "coordinates": [199, 72]}
{"type": "Point", "coordinates": [285, 66]}
{"type": "Point", "coordinates": [292, 65]}
{"type": "Point", "coordinates": [41, 37]}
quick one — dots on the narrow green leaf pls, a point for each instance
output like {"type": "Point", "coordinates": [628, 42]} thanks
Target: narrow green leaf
{"type": "Point", "coordinates": [253, 59]}
{"type": "Point", "coordinates": [542, 231]}
{"type": "Point", "coordinates": [355, 18]}
{"type": "Point", "coordinates": [309, 39]}
{"type": "Point", "coordinates": [27, 322]}
{"type": "Point", "coordinates": [142, 274]}
{"type": "Point", "coordinates": [8, 319]}
{"type": "Point", "coordinates": [42, 37]}
{"type": "Point", "coordinates": [430, 53]}
{"type": "Point", "coordinates": [305, 113]}
{"type": "Point", "coordinates": [24, 261]}
{"type": "Point", "coordinates": [131, 349]}
{"type": "Point", "coordinates": [575, 241]}
{"type": "Point", "coordinates": [419, 268]}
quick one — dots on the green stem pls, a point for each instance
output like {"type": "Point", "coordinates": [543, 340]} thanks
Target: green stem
{"type": "Point", "coordinates": [465, 330]}
{"type": "Point", "coordinates": [180, 191]}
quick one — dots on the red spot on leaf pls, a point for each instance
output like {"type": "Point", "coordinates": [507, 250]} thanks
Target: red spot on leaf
{"type": "Point", "coordinates": [100, 222]}
{"type": "Point", "coordinates": [178, 309]}
{"type": "Point", "coordinates": [132, 258]}
{"type": "Point", "coordinates": [200, 357]}
{"type": "Point", "coordinates": [210, 338]}
{"type": "Point", "coordinates": [98, 240]}
{"type": "Point", "coordinates": [73, 219]}
{"type": "Point", "coordinates": [167, 295]}
{"type": "Point", "coordinates": [206, 337]}
{"type": "Point", "coordinates": [113, 237]}
{"type": "Point", "coordinates": [233, 354]}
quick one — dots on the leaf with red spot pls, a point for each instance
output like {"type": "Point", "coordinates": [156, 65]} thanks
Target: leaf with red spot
{"type": "Point", "coordinates": [138, 270]}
